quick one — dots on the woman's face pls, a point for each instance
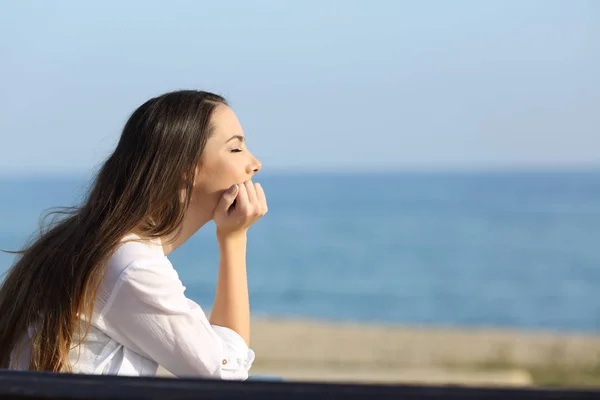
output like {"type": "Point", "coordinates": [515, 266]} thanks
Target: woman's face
{"type": "Point", "coordinates": [225, 161]}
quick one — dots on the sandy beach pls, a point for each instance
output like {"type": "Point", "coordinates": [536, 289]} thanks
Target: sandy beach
{"type": "Point", "coordinates": [309, 350]}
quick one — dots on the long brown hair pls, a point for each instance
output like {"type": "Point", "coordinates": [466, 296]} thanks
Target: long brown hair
{"type": "Point", "coordinates": [53, 283]}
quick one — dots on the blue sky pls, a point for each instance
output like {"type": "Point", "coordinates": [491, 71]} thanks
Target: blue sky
{"type": "Point", "coordinates": [332, 84]}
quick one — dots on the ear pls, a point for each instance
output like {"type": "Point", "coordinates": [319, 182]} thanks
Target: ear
{"type": "Point", "coordinates": [187, 177]}
{"type": "Point", "coordinates": [197, 174]}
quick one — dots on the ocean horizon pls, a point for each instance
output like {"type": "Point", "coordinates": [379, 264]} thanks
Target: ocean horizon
{"type": "Point", "coordinates": [497, 248]}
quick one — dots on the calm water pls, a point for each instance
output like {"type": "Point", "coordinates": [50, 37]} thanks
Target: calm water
{"type": "Point", "coordinates": [514, 250]}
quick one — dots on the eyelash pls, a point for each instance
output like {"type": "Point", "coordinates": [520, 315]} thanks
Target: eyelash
{"type": "Point", "coordinates": [236, 150]}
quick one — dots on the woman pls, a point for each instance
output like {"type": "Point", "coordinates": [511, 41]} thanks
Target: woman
{"type": "Point", "coordinates": [96, 292]}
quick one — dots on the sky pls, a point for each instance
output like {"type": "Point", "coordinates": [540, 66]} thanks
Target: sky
{"type": "Point", "coordinates": [318, 85]}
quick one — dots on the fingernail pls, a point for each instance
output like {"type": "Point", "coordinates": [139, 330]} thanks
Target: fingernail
{"type": "Point", "coordinates": [234, 187]}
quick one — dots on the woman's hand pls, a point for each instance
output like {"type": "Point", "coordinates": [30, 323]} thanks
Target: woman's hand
{"type": "Point", "coordinates": [240, 206]}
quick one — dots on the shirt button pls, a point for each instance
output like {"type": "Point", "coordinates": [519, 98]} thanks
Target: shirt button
{"type": "Point", "coordinates": [224, 362]}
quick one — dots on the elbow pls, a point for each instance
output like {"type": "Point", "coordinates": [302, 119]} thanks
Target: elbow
{"type": "Point", "coordinates": [230, 366]}
{"type": "Point", "coordinates": [221, 372]}
{"type": "Point", "coordinates": [233, 368]}
{"type": "Point", "coordinates": [237, 375]}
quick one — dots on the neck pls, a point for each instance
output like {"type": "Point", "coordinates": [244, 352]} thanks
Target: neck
{"type": "Point", "coordinates": [192, 222]}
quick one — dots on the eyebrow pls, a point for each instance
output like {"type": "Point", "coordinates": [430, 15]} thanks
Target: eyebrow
{"type": "Point", "coordinates": [234, 137]}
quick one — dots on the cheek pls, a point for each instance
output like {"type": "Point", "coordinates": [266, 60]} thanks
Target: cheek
{"type": "Point", "coordinates": [236, 171]}
{"type": "Point", "coordinates": [230, 170]}
{"type": "Point", "coordinates": [220, 175]}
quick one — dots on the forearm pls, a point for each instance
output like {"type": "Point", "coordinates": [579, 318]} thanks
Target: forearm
{"type": "Point", "coordinates": [231, 307]}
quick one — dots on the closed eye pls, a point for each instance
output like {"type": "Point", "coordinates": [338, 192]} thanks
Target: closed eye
{"type": "Point", "coordinates": [236, 150]}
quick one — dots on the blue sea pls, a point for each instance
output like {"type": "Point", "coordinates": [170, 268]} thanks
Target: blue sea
{"type": "Point", "coordinates": [510, 249]}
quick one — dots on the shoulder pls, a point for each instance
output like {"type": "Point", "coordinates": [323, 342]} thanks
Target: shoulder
{"type": "Point", "coordinates": [133, 247]}
{"type": "Point", "coordinates": [133, 254]}
{"type": "Point", "coordinates": [137, 270]}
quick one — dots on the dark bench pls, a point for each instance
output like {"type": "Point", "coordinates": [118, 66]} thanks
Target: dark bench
{"type": "Point", "coordinates": [30, 385]}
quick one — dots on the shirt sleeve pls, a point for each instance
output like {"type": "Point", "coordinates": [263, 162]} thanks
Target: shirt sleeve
{"type": "Point", "coordinates": [149, 313]}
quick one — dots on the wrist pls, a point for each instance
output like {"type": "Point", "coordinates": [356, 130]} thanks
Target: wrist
{"type": "Point", "coordinates": [231, 237]}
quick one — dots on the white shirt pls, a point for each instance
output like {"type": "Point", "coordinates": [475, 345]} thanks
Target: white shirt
{"type": "Point", "coordinates": [142, 319]}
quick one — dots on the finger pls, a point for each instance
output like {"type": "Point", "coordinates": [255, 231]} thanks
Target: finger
{"type": "Point", "coordinates": [251, 193]}
{"type": "Point", "coordinates": [262, 199]}
{"type": "Point", "coordinates": [228, 197]}
{"type": "Point", "coordinates": [243, 204]}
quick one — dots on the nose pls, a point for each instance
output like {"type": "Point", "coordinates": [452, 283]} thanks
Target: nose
{"type": "Point", "coordinates": [255, 165]}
